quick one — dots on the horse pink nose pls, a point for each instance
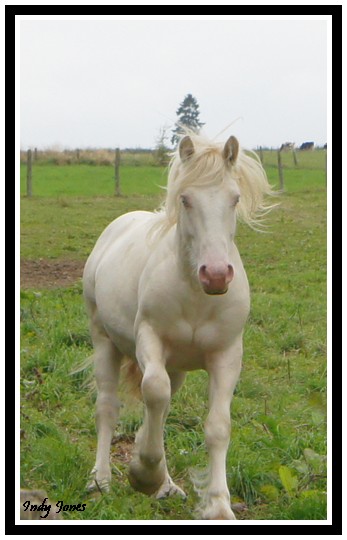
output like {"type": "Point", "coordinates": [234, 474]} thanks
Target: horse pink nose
{"type": "Point", "coordinates": [215, 279]}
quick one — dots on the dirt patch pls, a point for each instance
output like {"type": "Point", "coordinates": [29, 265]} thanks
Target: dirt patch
{"type": "Point", "coordinates": [47, 274]}
{"type": "Point", "coordinates": [122, 447]}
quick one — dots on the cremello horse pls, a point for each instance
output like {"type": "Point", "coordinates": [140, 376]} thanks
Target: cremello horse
{"type": "Point", "coordinates": [168, 290]}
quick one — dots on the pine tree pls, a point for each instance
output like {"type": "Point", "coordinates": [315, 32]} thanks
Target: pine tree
{"type": "Point", "coordinates": [188, 115]}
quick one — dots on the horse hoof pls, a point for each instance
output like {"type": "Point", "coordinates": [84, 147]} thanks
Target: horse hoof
{"type": "Point", "coordinates": [218, 514]}
{"type": "Point", "coordinates": [168, 489]}
{"type": "Point", "coordinates": [102, 485]}
{"type": "Point", "coordinates": [144, 480]}
{"type": "Point", "coordinates": [94, 485]}
{"type": "Point", "coordinates": [138, 485]}
{"type": "Point", "coordinates": [222, 516]}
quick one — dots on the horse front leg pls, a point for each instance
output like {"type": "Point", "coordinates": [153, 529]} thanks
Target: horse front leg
{"type": "Point", "coordinates": [148, 470]}
{"type": "Point", "coordinates": [223, 370]}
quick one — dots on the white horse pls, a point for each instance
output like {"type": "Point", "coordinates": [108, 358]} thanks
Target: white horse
{"type": "Point", "coordinates": [168, 290]}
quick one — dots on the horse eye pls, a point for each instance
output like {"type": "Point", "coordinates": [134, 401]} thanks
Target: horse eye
{"type": "Point", "coordinates": [185, 201]}
{"type": "Point", "coordinates": [235, 200]}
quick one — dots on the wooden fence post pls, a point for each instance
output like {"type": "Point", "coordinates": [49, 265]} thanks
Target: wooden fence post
{"type": "Point", "coordinates": [116, 173]}
{"type": "Point", "coordinates": [35, 154]}
{"type": "Point", "coordinates": [261, 155]}
{"type": "Point", "coordinates": [280, 169]}
{"type": "Point", "coordinates": [29, 174]}
{"type": "Point", "coordinates": [294, 158]}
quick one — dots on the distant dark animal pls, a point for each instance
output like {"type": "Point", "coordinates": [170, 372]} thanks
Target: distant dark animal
{"type": "Point", "coordinates": [285, 147]}
{"type": "Point", "coordinates": [307, 146]}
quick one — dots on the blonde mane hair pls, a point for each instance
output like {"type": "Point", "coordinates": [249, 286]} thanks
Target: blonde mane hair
{"type": "Point", "coordinates": [206, 166]}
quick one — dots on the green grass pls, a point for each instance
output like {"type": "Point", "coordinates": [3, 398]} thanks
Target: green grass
{"type": "Point", "coordinates": [86, 180]}
{"type": "Point", "coordinates": [50, 180]}
{"type": "Point", "coordinates": [276, 461]}
{"type": "Point", "coordinates": [306, 159]}
{"type": "Point", "coordinates": [68, 227]}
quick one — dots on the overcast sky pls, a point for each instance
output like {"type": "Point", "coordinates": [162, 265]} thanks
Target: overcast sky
{"type": "Point", "coordinates": [117, 83]}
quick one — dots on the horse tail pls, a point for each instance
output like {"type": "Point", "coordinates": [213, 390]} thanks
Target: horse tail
{"type": "Point", "coordinates": [131, 378]}
{"type": "Point", "coordinates": [85, 371]}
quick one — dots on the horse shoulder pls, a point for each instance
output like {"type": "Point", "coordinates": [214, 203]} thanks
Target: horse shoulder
{"type": "Point", "coordinates": [160, 284]}
{"type": "Point", "coordinates": [117, 255]}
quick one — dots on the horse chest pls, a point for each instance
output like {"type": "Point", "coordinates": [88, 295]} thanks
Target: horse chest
{"type": "Point", "coordinates": [188, 341]}
{"type": "Point", "coordinates": [187, 349]}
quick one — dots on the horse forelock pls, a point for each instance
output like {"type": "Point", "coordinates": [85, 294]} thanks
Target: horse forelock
{"type": "Point", "coordinates": [205, 167]}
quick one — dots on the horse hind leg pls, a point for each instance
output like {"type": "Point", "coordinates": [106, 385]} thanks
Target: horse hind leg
{"type": "Point", "coordinates": [107, 361]}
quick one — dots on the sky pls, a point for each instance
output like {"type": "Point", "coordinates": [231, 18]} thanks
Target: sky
{"type": "Point", "coordinates": [118, 83]}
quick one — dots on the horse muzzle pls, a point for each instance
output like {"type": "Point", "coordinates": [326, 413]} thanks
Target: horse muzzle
{"type": "Point", "coordinates": [216, 279]}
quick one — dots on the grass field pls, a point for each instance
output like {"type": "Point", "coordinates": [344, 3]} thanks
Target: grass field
{"type": "Point", "coordinates": [277, 457]}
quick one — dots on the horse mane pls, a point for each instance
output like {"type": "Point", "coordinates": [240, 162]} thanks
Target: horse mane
{"type": "Point", "coordinates": [207, 166]}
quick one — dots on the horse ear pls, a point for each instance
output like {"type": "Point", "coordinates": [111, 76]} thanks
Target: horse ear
{"type": "Point", "coordinates": [186, 148]}
{"type": "Point", "coordinates": [231, 150]}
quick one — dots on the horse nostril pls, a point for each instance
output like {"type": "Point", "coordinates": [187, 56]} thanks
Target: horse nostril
{"type": "Point", "coordinates": [230, 274]}
{"type": "Point", "coordinates": [216, 276]}
{"type": "Point", "coordinates": [204, 275]}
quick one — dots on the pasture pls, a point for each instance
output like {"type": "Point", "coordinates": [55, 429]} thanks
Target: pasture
{"type": "Point", "coordinates": [277, 457]}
